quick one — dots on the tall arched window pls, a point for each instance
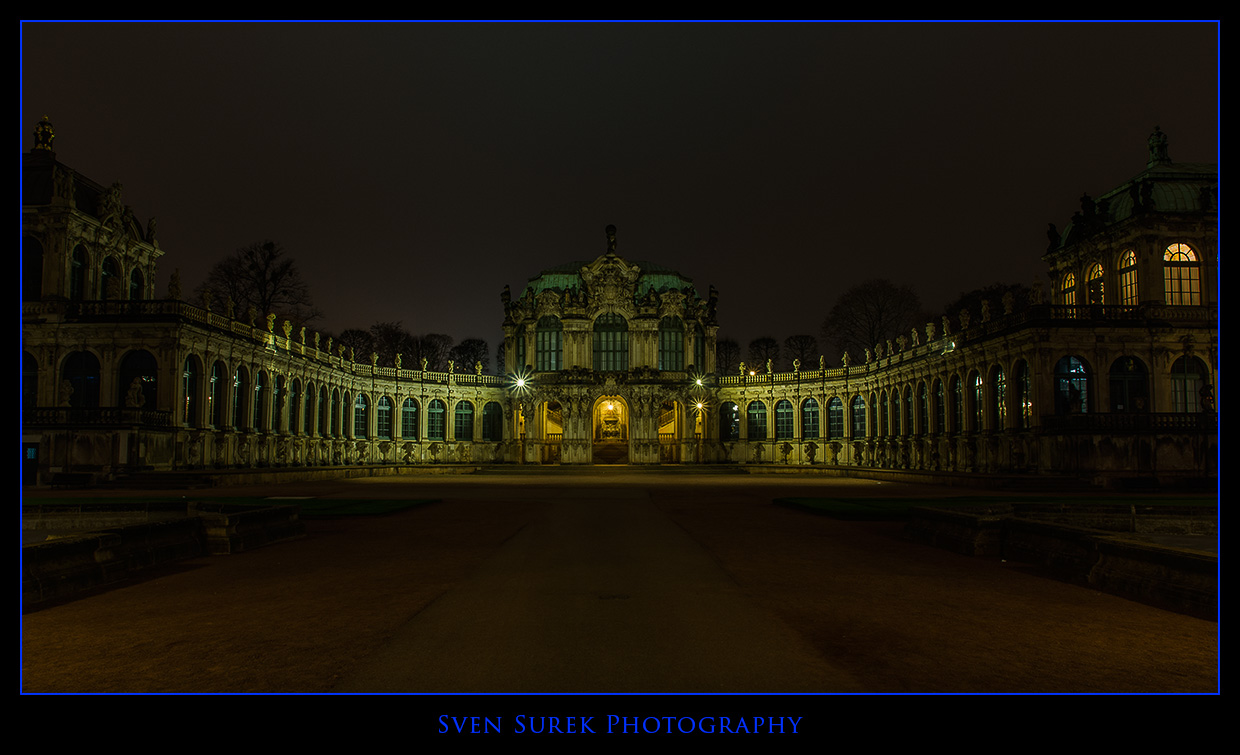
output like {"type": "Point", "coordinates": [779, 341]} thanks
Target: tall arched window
{"type": "Point", "coordinates": [957, 405]}
{"type": "Point", "coordinates": [361, 416]}
{"type": "Point", "coordinates": [884, 411]}
{"type": "Point", "coordinates": [611, 343]}
{"type": "Point", "coordinates": [136, 284]}
{"type": "Point", "coordinates": [976, 422]}
{"type": "Point", "coordinates": [998, 407]}
{"type": "Point", "coordinates": [81, 370]}
{"type": "Point", "coordinates": [1024, 395]}
{"type": "Point", "coordinates": [436, 422]}
{"type": "Point", "coordinates": [383, 418]}
{"type": "Point", "coordinates": [260, 401]}
{"type": "Point", "coordinates": [809, 419]}
{"type": "Point", "coordinates": [492, 422]}
{"type": "Point", "coordinates": [785, 422]}
{"type": "Point", "coordinates": [307, 411]}
{"type": "Point", "coordinates": [1130, 386]}
{"type": "Point", "coordinates": [189, 392]}
{"type": "Point", "coordinates": [1181, 276]}
{"type": "Point", "coordinates": [1071, 386]}
{"type": "Point", "coordinates": [729, 422]}
{"type": "Point", "coordinates": [548, 347]}
{"type": "Point", "coordinates": [1095, 284]}
{"type": "Point", "coordinates": [109, 279]}
{"type": "Point", "coordinates": [940, 408]}
{"type": "Point", "coordinates": [324, 412]}
{"type": "Point", "coordinates": [906, 427]}
{"type": "Point", "coordinates": [671, 343]}
{"type": "Point", "coordinates": [409, 420]}
{"type": "Point", "coordinates": [217, 394]}
{"type": "Point", "coordinates": [757, 420]}
{"type": "Point", "coordinates": [1189, 385]}
{"type": "Point", "coordinates": [294, 407]}
{"type": "Point", "coordinates": [1129, 296]}
{"type": "Point", "coordinates": [835, 418]}
{"type": "Point", "coordinates": [923, 409]}
{"type": "Point", "coordinates": [240, 396]}
{"type": "Point", "coordinates": [858, 417]}
{"type": "Point", "coordinates": [463, 424]}
{"type": "Point", "coordinates": [1067, 290]}
{"type": "Point", "coordinates": [335, 412]}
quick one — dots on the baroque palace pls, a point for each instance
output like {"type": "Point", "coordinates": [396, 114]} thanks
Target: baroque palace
{"type": "Point", "coordinates": [613, 361]}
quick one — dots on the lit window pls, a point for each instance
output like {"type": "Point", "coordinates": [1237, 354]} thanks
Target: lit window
{"type": "Point", "coordinates": [785, 427]}
{"type": "Point", "coordinates": [1181, 276]}
{"type": "Point", "coordinates": [1067, 291]}
{"type": "Point", "coordinates": [611, 343]}
{"type": "Point", "coordinates": [1095, 284]}
{"type": "Point", "coordinates": [671, 344]}
{"type": "Point", "coordinates": [809, 419]}
{"type": "Point", "coordinates": [409, 420]}
{"type": "Point", "coordinates": [383, 418]}
{"type": "Point", "coordinates": [548, 336]}
{"type": "Point", "coordinates": [435, 420]}
{"type": "Point", "coordinates": [1128, 279]}
{"type": "Point", "coordinates": [1188, 385]}
{"type": "Point", "coordinates": [757, 421]}
{"type": "Point", "coordinates": [463, 423]}
{"type": "Point", "coordinates": [361, 416]}
{"type": "Point", "coordinates": [835, 418]}
{"type": "Point", "coordinates": [858, 417]}
{"type": "Point", "coordinates": [1071, 386]}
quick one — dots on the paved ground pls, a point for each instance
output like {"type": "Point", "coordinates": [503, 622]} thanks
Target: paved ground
{"type": "Point", "coordinates": [629, 582]}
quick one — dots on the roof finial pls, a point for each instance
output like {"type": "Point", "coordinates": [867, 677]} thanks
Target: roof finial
{"type": "Point", "coordinates": [1158, 149]}
{"type": "Point", "coordinates": [44, 134]}
{"type": "Point", "coordinates": [611, 239]}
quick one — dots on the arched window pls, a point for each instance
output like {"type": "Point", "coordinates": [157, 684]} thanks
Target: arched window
{"type": "Point", "coordinates": [785, 422]}
{"type": "Point", "coordinates": [671, 343]}
{"type": "Point", "coordinates": [346, 419]}
{"type": "Point", "coordinates": [109, 279]}
{"type": "Point", "coordinates": [976, 423]}
{"type": "Point", "coordinates": [548, 347]}
{"type": "Point", "coordinates": [923, 409]}
{"type": "Point", "coordinates": [1024, 395]}
{"type": "Point", "coordinates": [1095, 284]}
{"type": "Point", "coordinates": [906, 427]}
{"type": "Point", "coordinates": [77, 273]}
{"type": "Point", "coordinates": [383, 418]}
{"type": "Point", "coordinates": [324, 412]}
{"type": "Point", "coordinates": [189, 392]}
{"type": "Point", "coordinates": [940, 408]}
{"type": "Point", "coordinates": [307, 410]}
{"type": "Point", "coordinates": [295, 415]}
{"type": "Point", "coordinates": [998, 407]}
{"type": "Point", "coordinates": [436, 423]}
{"type": "Point", "coordinates": [32, 269]}
{"type": "Point", "coordinates": [835, 418]}
{"type": "Point", "coordinates": [260, 401]}
{"type": "Point", "coordinates": [884, 410]}
{"type": "Point", "coordinates": [139, 369]}
{"type": "Point", "coordinates": [361, 416]}
{"type": "Point", "coordinates": [1128, 293]}
{"type": "Point", "coordinates": [1130, 386]}
{"type": "Point", "coordinates": [729, 422]}
{"type": "Point", "coordinates": [1067, 290]}
{"type": "Point", "coordinates": [1071, 386]}
{"type": "Point", "coordinates": [81, 370]}
{"type": "Point", "coordinates": [217, 395]}
{"type": "Point", "coordinates": [611, 343]}
{"type": "Point", "coordinates": [858, 417]}
{"type": "Point", "coordinates": [809, 419]}
{"type": "Point", "coordinates": [492, 422]}
{"type": "Point", "coordinates": [463, 425]}
{"type": "Point", "coordinates": [1190, 389]}
{"type": "Point", "coordinates": [409, 420]}
{"type": "Point", "coordinates": [957, 405]}
{"type": "Point", "coordinates": [1181, 276]}
{"type": "Point", "coordinates": [241, 387]}
{"type": "Point", "coordinates": [757, 420]}
{"type": "Point", "coordinates": [136, 284]}
{"type": "Point", "coordinates": [335, 413]}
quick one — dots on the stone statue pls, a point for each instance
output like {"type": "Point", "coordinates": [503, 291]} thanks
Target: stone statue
{"type": "Point", "coordinates": [329, 343]}
{"type": "Point", "coordinates": [478, 367]}
{"type": "Point", "coordinates": [796, 365]}
{"type": "Point", "coordinates": [985, 310]}
{"type": "Point", "coordinates": [230, 308]}
{"type": "Point", "coordinates": [929, 332]}
{"type": "Point", "coordinates": [878, 351]}
{"type": "Point", "coordinates": [287, 328]}
{"type": "Point", "coordinates": [506, 296]}
{"type": "Point", "coordinates": [251, 314]}
{"type": "Point", "coordinates": [742, 368]}
{"type": "Point", "coordinates": [768, 367]}
{"type": "Point", "coordinates": [890, 350]}
{"type": "Point", "coordinates": [317, 336]}
{"type": "Point", "coordinates": [964, 319]}
{"type": "Point", "coordinates": [374, 359]}
{"type": "Point", "coordinates": [868, 357]}
{"type": "Point", "coordinates": [271, 323]}
{"type": "Point", "coordinates": [1158, 147]}
{"type": "Point", "coordinates": [611, 239]}
{"type": "Point", "coordinates": [451, 366]}
{"type": "Point", "coordinates": [822, 362]}
{"type": "Point", "coordinates": [398, 360]}
{"type": "Point", "coordinates": [1009, 303]}
{"type": "Point", "coordinates": [902, 341]}
{"type": "Point", "coordinates": [916, 337]}
{"type": "Point", "coordinates": [424, 363]}
{"type": "Point", "coordinates": [947, 327]}
{"type": "Point", "coordinates": [134, 398]}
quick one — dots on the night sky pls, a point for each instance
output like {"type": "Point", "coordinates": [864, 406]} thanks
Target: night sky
{"type": "Point", "coordinates": [415, 169]}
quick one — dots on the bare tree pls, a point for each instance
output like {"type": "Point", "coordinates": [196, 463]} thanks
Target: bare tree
{"type": "Point", "coordinates": [360, 341]}
{"type": "Point", "coordinates": [262, 275]}
{"type": "Point", "coordinates": [762, 350]}
{"type": "Point", "coordinates": [871, 313]}
{"type": "Point", "coordinates": [804, 348]}
{"type": "Point", "coordinates": [727, 356]}
{"type": "Point", "coordinates": [469, 352]}
{"type": "Point", "coordinates": [434, 348]}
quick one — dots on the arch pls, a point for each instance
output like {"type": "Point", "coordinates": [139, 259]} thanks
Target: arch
{"type": "Point", "coordinates": [835, 418]}
{"type": "Point", "coordinates": [217, 394]}
{"type": "Point", "coordinates": [189, 392]}
{"type": "Point", "coordinates": [1071, 386]}
{"type": "Point", "coordinates": [81, 370]}
{"type": "Point", "coordinates": [957, 399]}
{"type": "Point", "coordinates": [110, 279]}
{"type": "Point", "coordinates": [1129, 385]}
{"type": "Point", "coordinates": [361, 416]}
{"type": "Point", "coordinates": [324, 410]}
{"type": "Point", "coordinates": [923, 409]}
{"type": "Point", "coordinates": [1067, 290]}
{"type": "Point", "coordinates": [32, 269]}
{"type": "Point", "coordinates": [671, 343]}
{"type": "Point", "coordinates": [1024, 396]}
{"type": "Point", "coordinates": [977, 402]}
{"type": "Point", "coordinates": [136, 380]}
{"type": "Point", "coordinates": [548, 345]}
{"type": "Point", "coordinates": [1128, 293]}
{"type": "Point", "coordinates": [884, 413]}
{"type": "Point", "coordinates": [756, 420]}
{"type": "Point", "coordinates": [77, 273]}
{"type": "Point", "coordinates": [729, 422]}
{"type": "Point", "coordinates": [1181, 276]}
{"type": "Point", "coordinates": [611, 343]}
{"type": "Point", "coordinates": [463, 421]}
{"type": "Point", "coordinates": [296, 408]}
{"type": "Point", "coordinates": [492, 422]}
{"type": "Point", "coordinates": [436, 422]}
{"type": "Point", "coordinates": [261, 389]}
{"type": "Point", "coordinates": [346, 417]}
{"type": "Point", "coordinates": [858, 417]}
{"type": "Point", "coordinates": [334, 413]}
{"type": "Point", "coordinates": [906, 427]}
{"type": "Point", "coordinates": [241, 389]}
{"type": "Point", "coordinates": [940, 407]}
{"type": "Point", "coordinates": [409, 420]}
{"type": "Point", "coordinates": [809, 419]}
{"type": "Point", "coordinates": [1094, 284]}
{"type": "Point", "coordinates": [1190, 386]}
{"type": "Point", "coordinates": [998, 398]}
{"type": "Point", "coordinates": [137, 284]}
{"type": "Point", "coordinates": [785, 420]}
{"type": "Point", "coordinates": [383, 418]}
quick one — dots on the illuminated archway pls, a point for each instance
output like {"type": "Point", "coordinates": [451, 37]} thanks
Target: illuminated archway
{"type": "Point", "coordinates": [610, 431]}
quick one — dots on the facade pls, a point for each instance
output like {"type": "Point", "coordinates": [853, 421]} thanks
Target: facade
{"type": "Point", "coordinates": [613, 361]}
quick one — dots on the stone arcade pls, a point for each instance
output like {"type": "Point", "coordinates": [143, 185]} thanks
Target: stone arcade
{"type": "Point", "coordinates": [613, 361]}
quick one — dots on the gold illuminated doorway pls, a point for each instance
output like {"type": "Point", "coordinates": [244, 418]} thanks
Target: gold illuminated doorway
{"type": "Point", "coordinates": [611, 431]}
{"type": "Point", "coordinates": [552, 432]}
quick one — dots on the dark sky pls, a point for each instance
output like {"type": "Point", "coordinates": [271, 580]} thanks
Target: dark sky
{"type": "Point", "coordinates": [415, 169]}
